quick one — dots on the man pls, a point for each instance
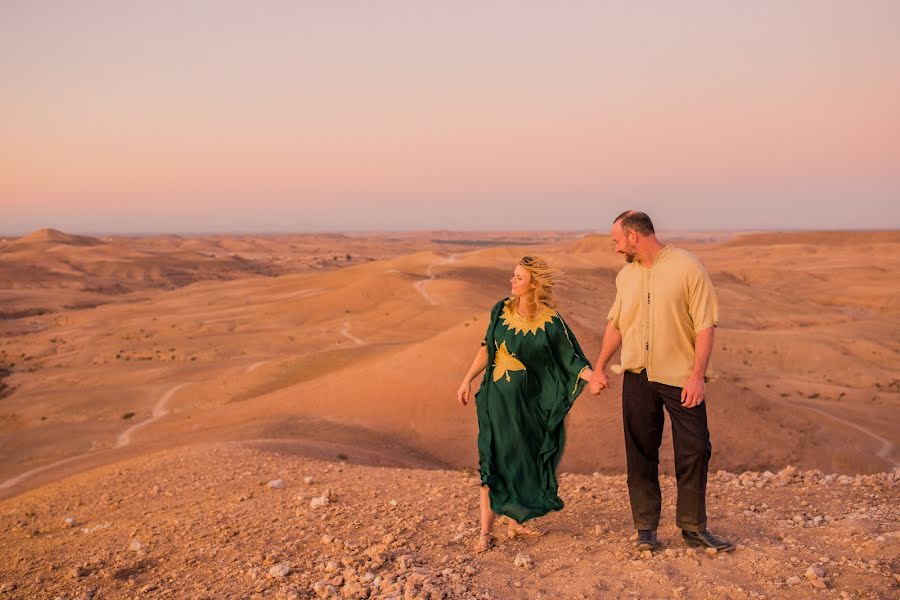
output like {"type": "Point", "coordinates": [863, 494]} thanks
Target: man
{"type": "Point", "coordinates": [664, 318]}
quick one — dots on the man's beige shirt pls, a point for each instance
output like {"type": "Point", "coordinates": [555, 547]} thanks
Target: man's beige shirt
{"type": "Point", "coordinates": [659, 311]}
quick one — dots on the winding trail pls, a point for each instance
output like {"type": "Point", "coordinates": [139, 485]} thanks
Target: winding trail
{"type": "Point", "coordinates": [255, 366]}
{"type": "Point", "coordinates": [22, 477]}
{"type": "Point", "coordinates": [159, 411]}
{"type": "Point", "coordinates": [887, 446]}
{"type": "Point", "coordinates": [345, 331]}
{"type": "Point", "coordinates": [429, 272]}
{"type": "Point", "coordinates": [299, 294]}
{"type": "Point", "coordinates": [124, 438]}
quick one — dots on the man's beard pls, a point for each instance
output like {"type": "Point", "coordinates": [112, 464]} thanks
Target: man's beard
{"type": "Point", "coordinates": [629, 257]}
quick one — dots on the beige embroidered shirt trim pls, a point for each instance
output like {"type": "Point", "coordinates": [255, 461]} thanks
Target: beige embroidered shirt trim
{"type": "Point", "coordinates": [659, 311]}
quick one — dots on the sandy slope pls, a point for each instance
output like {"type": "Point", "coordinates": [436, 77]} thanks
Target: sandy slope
{"type": "Point", "coordinates": [807, 354]}
{"type": "Point", "coordinates": [203, 522]}
{"type": "Point", "coordinates": [49, 271]}
{"type": "Point", "coordinates": [161, 415]}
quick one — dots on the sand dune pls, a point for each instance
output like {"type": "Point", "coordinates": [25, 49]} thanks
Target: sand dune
{"type": "Point", "coordinates": [806, 351]}
{"type": "Point", "coordinates": [50, 271]}
{"type": "Point", "coordinates": [156, 418]}
{"type": "Point", "coordinates": [52, 237]}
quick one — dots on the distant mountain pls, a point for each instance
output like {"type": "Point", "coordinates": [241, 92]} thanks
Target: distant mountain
{"type": "Point", "coordinates": [54, 236]}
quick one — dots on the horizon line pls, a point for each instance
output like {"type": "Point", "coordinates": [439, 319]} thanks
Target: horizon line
{"type": "Point", "coordinates": [276, 232]}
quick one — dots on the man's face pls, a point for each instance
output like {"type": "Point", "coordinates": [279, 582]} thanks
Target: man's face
{"type": "Point", "coordinates": [622, 242]}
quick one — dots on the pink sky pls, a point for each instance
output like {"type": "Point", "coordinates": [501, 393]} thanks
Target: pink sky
{"type": "Point", "coordinates": [236, 116]}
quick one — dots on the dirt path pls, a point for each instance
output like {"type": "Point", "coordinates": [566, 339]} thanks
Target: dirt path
{"type": "Point", "coordinates": [23, 476]}
{"type": "Point", "coordinates": [887, 446]}
{"type": "Point", "coordinates": [255, 366]}
{"type": "Point", "coordinates": [345, 331]}
{"type": "Point", "coordinates": [429, 272]}
{"type": "Point", "coordinates": [160, 410]}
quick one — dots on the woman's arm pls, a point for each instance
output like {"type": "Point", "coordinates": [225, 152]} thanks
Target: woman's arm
{"type": "Point", "coordinates": [586, 374]}
{"type": "Point", "coordinates": [478, 365]}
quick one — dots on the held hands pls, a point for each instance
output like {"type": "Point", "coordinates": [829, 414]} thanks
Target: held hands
{"type": "Point", "coordinates": [598, 382]}
{"type": "Point", "coordinates": [462, 394]}
{"type": "Point", "coordinates": [694, 392]}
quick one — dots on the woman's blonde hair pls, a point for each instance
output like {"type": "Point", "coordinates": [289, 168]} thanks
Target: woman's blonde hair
{"type": "Point", "coordinates": [544, 276]}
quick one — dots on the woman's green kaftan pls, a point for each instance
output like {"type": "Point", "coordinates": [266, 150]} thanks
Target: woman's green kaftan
{"type": "Point", "coordinates": [531, 380]}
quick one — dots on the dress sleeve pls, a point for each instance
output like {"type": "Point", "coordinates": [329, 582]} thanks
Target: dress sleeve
{"type": "Point", "coordinates": [568, 362]}
{"type": "Point", "coordinates": [568, 356]}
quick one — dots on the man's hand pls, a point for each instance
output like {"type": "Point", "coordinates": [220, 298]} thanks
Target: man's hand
{"type": "Point", "coordinates": [694, 392]}
{"type": "Point", "coordinates": [598, 382]}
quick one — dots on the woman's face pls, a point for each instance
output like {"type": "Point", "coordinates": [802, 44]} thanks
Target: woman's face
{"type": "Point", "coordinates": [520, 283]}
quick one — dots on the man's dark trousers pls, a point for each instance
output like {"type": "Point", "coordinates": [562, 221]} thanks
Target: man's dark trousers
{"type": "Point", "coordinates": [642, 413]}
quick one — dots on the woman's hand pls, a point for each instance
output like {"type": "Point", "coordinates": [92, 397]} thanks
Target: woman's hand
{"type": "Point", "coordinates": [462, 394]}
{"type": "Point", "coordinates": [478, 365]}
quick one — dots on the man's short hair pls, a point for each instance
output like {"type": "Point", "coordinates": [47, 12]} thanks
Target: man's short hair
{"type": "Point", "coordinates": [637, 221]}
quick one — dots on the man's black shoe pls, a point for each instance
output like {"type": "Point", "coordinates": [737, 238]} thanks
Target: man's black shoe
{"type": "Point", "coordinates": [647, 539]}
{"type": "Point", "coordinates": [697, 539]}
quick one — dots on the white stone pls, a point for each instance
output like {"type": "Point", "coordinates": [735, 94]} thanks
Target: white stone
{"type": "Point", "coordinates": [279, 570]}
{"type": "Point", "coordinates": [276, 484]}
{"type": "Point", "coordinates": [522, 560]}
{"type": "Point", "coordinates": [814, 572]}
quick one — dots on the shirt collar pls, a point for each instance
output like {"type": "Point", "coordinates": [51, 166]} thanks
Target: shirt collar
{"type": "Point", "coordinates": [659, 257]}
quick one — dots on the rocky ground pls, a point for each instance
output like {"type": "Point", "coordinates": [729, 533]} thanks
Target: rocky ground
{"type": "Point", "coordinates": [238, 521]}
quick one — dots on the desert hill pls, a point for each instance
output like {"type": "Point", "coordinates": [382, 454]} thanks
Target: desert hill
{"type": "Point", "coordinates": [816, 238]}
{"type": "Point", "coordinates": [258, 520]}
{"type": "Point", "coordinates": [49, 237]}
{"type": "Point", "coordinates": [174, 408]}
{"type": "Point", "coordinates": [374, 351]}
{"type": "Point", "coordinates": [49, 271]}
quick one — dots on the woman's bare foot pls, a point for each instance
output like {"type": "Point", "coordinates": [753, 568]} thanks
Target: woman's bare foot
{"type": "Point", "coordinates": [517, 530]}
{"type": "Point", "coordinates": [485, 542]}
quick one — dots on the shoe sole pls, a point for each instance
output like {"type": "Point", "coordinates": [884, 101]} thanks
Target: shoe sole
{"type": "Point", "coordinates": [699, 545]}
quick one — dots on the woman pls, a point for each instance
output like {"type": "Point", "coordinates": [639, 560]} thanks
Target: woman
{"type": "Point", "coordinates": [534, 370]}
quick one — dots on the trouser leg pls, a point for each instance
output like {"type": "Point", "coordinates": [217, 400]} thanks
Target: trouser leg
{"type": "Point", "coordinates": [690, 439]}
{"type": "Point", "coordinates": [642, 415]}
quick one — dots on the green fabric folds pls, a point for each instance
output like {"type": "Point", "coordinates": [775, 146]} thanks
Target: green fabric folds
{"type": "Point", "coordinates": [530, 383]}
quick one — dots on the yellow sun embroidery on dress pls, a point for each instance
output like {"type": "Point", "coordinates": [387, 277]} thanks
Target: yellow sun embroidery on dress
{"type": "Point", "coordinates": [519, 324]}
{"type": "Point", "coordinates": [504, 362]}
